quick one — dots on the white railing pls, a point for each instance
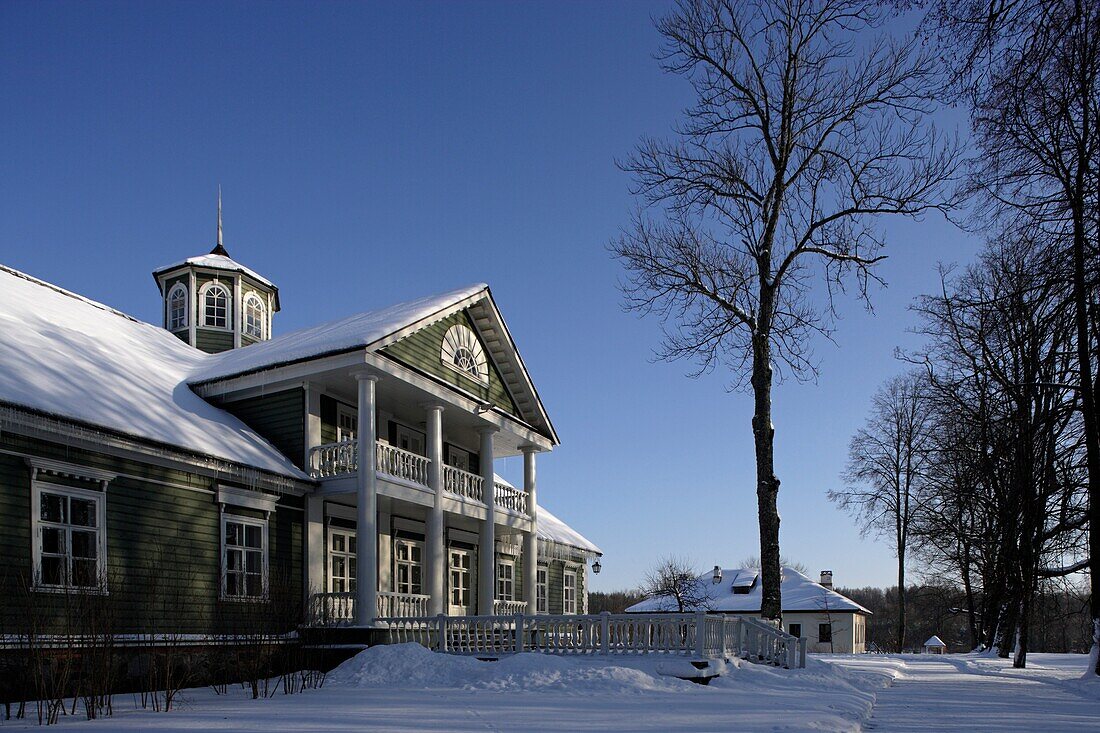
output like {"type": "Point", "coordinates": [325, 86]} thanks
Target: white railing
{"type": "Point", "coordinates": [402, 464]}
{"type": "Point", "coordinates": [697, 635]}
{"type": "Point", "coordinates": [463, 483]}
{"type": "Point", "coordinates": [402, 604]}
{"type": "Point", "coordinates": [333, 459]}
{"type": "Point", "coordinates": [331, 609]}
{"type": "Point", "coordinates": [509, 608]}
{"type": "Point", "coordinates": [509, 497]}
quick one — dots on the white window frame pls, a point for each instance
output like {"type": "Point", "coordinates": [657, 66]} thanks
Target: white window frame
{"type": "Point", "coordinates": [411, 563]}
{"type": "Point", "coordinates": [461, 337]}
{"type": "Point", "coordinates": [466, 572]}
{"type": "Point", "coordinates": [203, 292]}
{"type": "Point", "coordinates": [565, 603]}
{"type": "Point", "coordinates": [348, 554]}
{"type": "Point", "coordinates": [542, 589]}
{"type": "Point", "coordinates": [99, 498]}
{"type": "Point", "coordinates": [261, 320]}
{"type": "Point", "coordinates": [343, 411]}
{"type": "Point", "coordinates": [506, 582]}
{"type": "Point", "coordinates": [177, 289]}
{"type": "Point", "coordinates": [253, 521]}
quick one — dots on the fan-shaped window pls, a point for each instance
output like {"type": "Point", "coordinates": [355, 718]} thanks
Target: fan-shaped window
{"type": "Point", "coordinates": [177, 308]}
{"type": "Point", "coordinates": [215, 303]}
{"type": "Point", "coordinates": [254, 317]}
{"type": "Point", "coordinates": [463, 352]}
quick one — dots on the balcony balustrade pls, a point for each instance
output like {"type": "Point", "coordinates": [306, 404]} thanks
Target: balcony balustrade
{"type": "Point", "coordinates": [336, 459]}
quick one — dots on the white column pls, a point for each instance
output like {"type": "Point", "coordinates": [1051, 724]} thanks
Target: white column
{"type": "Point", "coordinates": [530, 539]}
{"type": "Point", "coordinates": [366, 526]}
{"type": "Point", "coordinates": [436, 553]}
{"type": "Point", "coordinates": [487, 545]}
{"type": "Point", "coordinates": [315, 545]}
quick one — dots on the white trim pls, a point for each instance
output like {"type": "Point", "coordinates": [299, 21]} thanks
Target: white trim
{"type": "Point", "coordinates": [505, 562]}
{"type": "Point", "coordinates": [253, 297]}
{"type": "Point", "coordinates": [70, 470]}
{"type": "Point", "coordinates": [340, 511]}
{"type": "Point", "coordinates": [248, 521]}
{"type": "Point", "coordinates": [201, 301]}
{"type": "Point", "coordinates": [99, 499]}
{"type": "Point", "coordinates": [238, 305]}
{"type": "Point", "coordinates": [544, 586]}
{"type": "Point", "coordinates": [247, 498]}
{"type": "Point", "coordinates": [179, 287]}
{"type": "Point", "coordinates": [566, 572]}
{"type": "Point", "coordinates": [460, 336]}
{"type": "Point", "coordinates": [343, 410]}
{"type": "Point", "coordinates": [193, 320]}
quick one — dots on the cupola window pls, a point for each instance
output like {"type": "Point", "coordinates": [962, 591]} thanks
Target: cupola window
{"type": "Point", "coordinates": [177, 308]}
{"type": "Point", "coordinates": [254, 317]}
{"type": "Point", "coordinates": [216, 307]}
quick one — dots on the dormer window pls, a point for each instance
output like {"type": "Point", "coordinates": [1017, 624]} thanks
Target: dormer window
{"type": "Point", "coordinates": [215, 302]}
{"type": "Point", "coordinates": [255, 317]}
{"type": "Point", "coordinates": [177, 307]}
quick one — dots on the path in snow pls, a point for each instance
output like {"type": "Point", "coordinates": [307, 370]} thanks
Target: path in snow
{"type": "Point", "coordinates": [973, 693]}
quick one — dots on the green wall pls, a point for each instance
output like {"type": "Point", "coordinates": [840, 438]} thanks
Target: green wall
{"type": "Point", "coordinates": [279, 417]}
{"type": "Point", "coordinates": [421, 351]}
{"type": "Point", "coordinates": [163, 547]}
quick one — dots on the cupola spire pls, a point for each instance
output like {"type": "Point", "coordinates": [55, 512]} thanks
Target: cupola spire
{"type": "Point", "coordinates": [218, 248]}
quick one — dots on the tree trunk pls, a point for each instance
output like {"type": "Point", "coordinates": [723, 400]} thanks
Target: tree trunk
{"type": "Point", "coordinates": [968, 588]}
{"type": "Point", "coordinates": [901, 598]}
{"type": "Point", "coordinates": [767, 485]}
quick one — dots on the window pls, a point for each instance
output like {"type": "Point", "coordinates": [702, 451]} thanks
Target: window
{"type": "Point", "coordinates": [408, 567]}
{"type": "Point", "coordinates": [70, 539]}
{"type": "Point", "coordinates": [460, 580]}
{"type": "Point", "coordinates": [569, 592]}
{"type": "Point", "coordinates": [341, 561]}
{"type": "Point", "coordinates": [506, 580]}
{"type": "Point", "coordinates": [244, 557]}
{"type": "Point", "coordinates": [255, 317]}
{"type": "Point", "coordinates": [462, 351]}
{"type": "Point", "coordinates": [541, 596]}
{"type": "Point", "coordinates": [177, 307]}
{"type": "Point", "coordinates": [215, 301]}
{"type": "Point", "coordinates": [795, 630]}
{"type": "Point", "coordinates": [825, 633]}
{"type": "Point", "coordinates": [347, 423]}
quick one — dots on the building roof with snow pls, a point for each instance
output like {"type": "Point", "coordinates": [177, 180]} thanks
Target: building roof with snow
{"type": "Point", "coordinates": [358, 331]}
{"type": "Point", "coordinates": [935, 641]}
{"type": "Point", "coordinates": [70, 357]}
{"type": "Point", "coordinates": [214, 261]}
{"type": "Point", "coordinates": [554, 531]}
{"type": "Point", "coordinates": [739, 591]}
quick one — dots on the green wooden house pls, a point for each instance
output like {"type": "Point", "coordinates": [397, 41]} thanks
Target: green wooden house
{"type": "Point", "coordinates": [193, 470]}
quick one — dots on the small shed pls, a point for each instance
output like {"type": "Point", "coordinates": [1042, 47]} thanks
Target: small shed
{"type": "Point", "coordinates": [935, 645]}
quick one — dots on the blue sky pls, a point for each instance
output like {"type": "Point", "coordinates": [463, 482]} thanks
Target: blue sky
{"type": "Point", "coordinates": [374, 153]}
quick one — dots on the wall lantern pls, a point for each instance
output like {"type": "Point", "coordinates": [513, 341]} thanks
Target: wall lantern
{"type": "Point", "coordinates": [596, 567]}
{"type": "Point", "coordinates": [717, 577]}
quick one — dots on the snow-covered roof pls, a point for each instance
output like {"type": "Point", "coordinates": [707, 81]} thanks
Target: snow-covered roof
{"type": "Point", "coordinates": [71, 357]}
{"type": "Point", "coordinates": [552, 529]}
{"type": "Point", "coordinates": [357, 331]}
{"type": "Point", "coordinates": [799, 594]}
{"type": "Point", "coordinates": [935, 641]}
{"type": "Point", "coordinates": [215, 262]}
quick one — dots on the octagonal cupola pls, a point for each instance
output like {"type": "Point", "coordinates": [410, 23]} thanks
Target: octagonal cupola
{"type": "Point", "coordinates": [213, 302]}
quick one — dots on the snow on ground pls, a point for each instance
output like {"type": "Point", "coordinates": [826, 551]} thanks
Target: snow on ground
{"type": "Point", "coordinates": [406, 687]}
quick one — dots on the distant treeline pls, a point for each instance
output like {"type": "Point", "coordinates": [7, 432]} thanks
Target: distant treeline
{"type": "Point", "coordinates": [1060, 620]}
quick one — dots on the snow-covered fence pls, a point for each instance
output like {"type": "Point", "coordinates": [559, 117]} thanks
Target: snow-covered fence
{"type": "Point", "coordinates": [698, 635]}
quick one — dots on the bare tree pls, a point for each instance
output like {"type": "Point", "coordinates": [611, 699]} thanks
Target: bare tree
{"type": "Point", "coordinates": [804, 131]}
{"type": "Point", "coordinates": [673, 582]}
{"type": "Point", "coordinates": [888, 460]}
{"type": "Point", "coordinates": [753, 562]}
{"type": "Point", "coordinates": [1030, 70]}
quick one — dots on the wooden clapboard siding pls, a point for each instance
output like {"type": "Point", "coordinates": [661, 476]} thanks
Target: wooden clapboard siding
{"type": "Point", "coordinates": [421, 351]}
{"type": "Point", "coordinates": [163, 534]}
{"type": "Point", "coordinates": [279, 417]}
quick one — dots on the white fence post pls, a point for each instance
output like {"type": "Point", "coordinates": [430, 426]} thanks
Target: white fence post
{"type": "Point", "coordinates": [442, 618]}
{"type": "Point", "coordinates": [701, 633]}
{"type": "Point", "coordinates": [605, 632]}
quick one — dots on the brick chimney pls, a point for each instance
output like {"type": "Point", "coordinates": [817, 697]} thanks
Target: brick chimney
{"type": "Point", "coordinates": [827, 578]}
